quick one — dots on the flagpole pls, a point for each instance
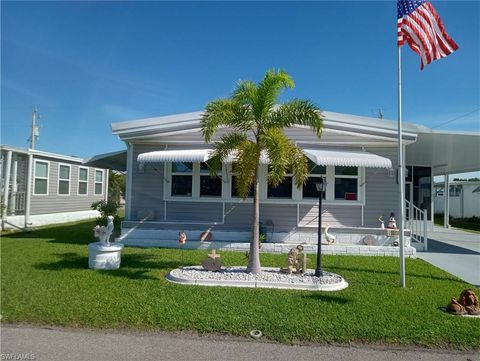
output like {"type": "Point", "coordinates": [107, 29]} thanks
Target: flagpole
{"type": "Point", "coordinates": [401, 176]}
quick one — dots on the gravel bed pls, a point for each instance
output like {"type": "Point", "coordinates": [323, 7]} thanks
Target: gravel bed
{"type": "Point", "coordinates": [271, 275]}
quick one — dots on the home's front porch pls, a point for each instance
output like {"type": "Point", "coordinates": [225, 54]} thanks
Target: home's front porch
{"type": "Point", "coordinates": [349, 240]}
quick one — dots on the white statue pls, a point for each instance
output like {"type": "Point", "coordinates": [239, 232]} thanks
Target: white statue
{"type": "Point", "coordinates": [382, 223]}
{"type": "Point", "coordinates": [103, 233]}
{"type": "Point", "coordinates": [329, 237]}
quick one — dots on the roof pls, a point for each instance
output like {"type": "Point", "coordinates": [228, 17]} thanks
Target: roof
{"type": "Point", "coordinates": [41, 153]}
{"type": "Point", "coordinates": [473, 183]}
{"type": "Point", "coordinates": [113, 160]}
{"type": "Point", "coordinates": [446, 152]}
{"type": "Point", "coordinates": [144, 128]}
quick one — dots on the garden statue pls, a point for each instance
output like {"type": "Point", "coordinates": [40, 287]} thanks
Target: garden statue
{"type": "Point", "coordinates": [103, 233]}
{"type": "Point", "coordinates": [382, 223]}
{"type": "Point", "coordinates": [392, 224]}
{"type": "Point", "coordinates": [206, 236]}
{"type": "Point", "coordinates": [467, 304]}
{"type": "Point", "coordinates": [212, 262]}
{"type": "Point", "coordinates": [329, 237]}
{"type": "Point", "coordinates": [182, 237]}
{"type": "Point", "coordinates": [296, 260]}
{"type": "Point", "coordinates": [103, 254]}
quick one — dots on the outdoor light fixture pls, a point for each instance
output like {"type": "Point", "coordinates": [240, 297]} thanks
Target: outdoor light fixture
{"type": "Point", "coordinates": [321, 185]}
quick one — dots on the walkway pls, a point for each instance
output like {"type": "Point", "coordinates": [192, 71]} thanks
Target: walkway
{"type": "Point", "coordinates": [455, 251]}
{"type": "Point", "coordinates": [67, 344]}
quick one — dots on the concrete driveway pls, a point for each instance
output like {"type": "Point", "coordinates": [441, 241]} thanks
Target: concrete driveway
{"type": "Point", "coordinates": [455, 251]}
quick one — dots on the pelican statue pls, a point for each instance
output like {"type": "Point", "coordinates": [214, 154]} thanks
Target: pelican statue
{"type": "Point", "coordinates": [329, 237]}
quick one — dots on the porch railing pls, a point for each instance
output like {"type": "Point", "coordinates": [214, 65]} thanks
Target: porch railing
{"type": "Point", "coordinates": [417, 223]}
{"type": "Point", "coordinates": [18, 203]}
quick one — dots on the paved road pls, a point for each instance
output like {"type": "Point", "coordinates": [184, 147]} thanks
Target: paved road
{"type": "Point", "coordinates": [456, 252]}
{"type": "Point", "coordinates": [58, 344]}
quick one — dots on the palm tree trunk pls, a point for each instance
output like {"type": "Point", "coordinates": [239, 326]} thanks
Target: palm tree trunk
{"type": "Point", "coordinates": [254, 256]}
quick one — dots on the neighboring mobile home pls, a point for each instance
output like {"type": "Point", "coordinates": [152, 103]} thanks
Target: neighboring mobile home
{"type": "Point", "coordinates": [169, 187]}
{"type": "Point", "coordinates": [464, 199]}
{"type": "Point", "coordinates": [40, 188]}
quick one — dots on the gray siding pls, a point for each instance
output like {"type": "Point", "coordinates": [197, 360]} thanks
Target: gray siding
{"type": "Point", "coordinates": [381, 192]}
{"type": "Point", "coordinates": [54, 203]}
{"type": "Point", "coordinates": [147, 189]}
{"type": "Point", "coordinates": [335, 215]}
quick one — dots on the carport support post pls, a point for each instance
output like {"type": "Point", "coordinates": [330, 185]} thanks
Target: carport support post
{"type": "Point", "coordinates": [6, 187]}
{"type": "Point", "coordinates": [446, 202]}
{"type": "Point", "coordinates": [28, 191]}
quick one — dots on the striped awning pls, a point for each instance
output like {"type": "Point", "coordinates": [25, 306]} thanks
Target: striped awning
{"type": "Point", "coordinates": [320, 157]}
{"type": "Point", "coordinates": [184, 155]}
{"type": "Point", "coordinates": [347, 158]}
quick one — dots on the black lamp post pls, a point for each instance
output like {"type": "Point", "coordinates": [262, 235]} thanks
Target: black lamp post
{"type": "Point", "coordinates": [321, 184]}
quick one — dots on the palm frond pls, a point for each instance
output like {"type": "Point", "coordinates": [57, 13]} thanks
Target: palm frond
{"type": "Point", "coordinates": [225, 112]}
{"type": "Point", "coordinates": [269, 90]}
{"type": "Point", "coordinates": [298, 165]}
{"type": "Point", "coordinates": [245, 166]}
{"type": "Point", "coordinates": [245, 92]}
{"type": "Point", "coordinates": [277, 146]}
{"type": "Point", "coordinates": [297, 111]}
{"type": "Point", "coordinates": [224, 148]}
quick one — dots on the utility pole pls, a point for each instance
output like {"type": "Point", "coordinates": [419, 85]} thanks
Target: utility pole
{"type": "Point", "coordinates": [35, 132]}
{"type": "Point", "coordinates": [380, 113]}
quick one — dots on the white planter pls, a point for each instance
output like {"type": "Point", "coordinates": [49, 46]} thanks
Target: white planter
{"type": "Point", "coordinates": [101, 256]}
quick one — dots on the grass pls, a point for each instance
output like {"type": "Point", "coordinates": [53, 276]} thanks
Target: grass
{"type": "Point", "coordinates": [45, 280]}
{"type": "Point", "coordinates": [467, 224]}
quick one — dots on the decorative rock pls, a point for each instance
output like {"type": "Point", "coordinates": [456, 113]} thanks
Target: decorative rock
{"type": "Point", "coordinates": [102, 256]}
{"type": "Point", "coordinates": [269, 278]}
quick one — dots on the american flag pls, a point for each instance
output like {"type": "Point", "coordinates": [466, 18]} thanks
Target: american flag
{"type": "Point", "coordinates": [419, 25]}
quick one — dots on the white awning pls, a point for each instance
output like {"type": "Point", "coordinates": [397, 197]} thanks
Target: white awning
{"type": "Point", "coordinates": [233, 157]}
{"type": "Point", "coordinates": [320, 157]}
{"type": "Point", "coordinates": [184, 155]}
{"type": "Point", "coordinates": [347, 158]}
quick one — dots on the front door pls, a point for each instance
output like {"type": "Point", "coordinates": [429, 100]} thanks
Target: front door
{"type": "Point", "coordinates": [408, 197]}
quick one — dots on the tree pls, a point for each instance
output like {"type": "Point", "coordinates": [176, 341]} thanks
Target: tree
{"type": "Point", "coordinates": [116, 186]}
{"type": "Point", "coordinates": [256, 122]}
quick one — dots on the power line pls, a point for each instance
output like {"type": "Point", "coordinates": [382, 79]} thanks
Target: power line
{"type": "Point", "coordinates": [451, 120]}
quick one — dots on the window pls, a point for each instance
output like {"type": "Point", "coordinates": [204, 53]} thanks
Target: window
{"type": "Point", "coordinates": [82, 181]}
{"type": "Point", "coordinates": [455, 190]}
{"type": "Point", "coordinates": [186, 181]}
{"type": "Point", "coordinates": [283, 189]}
{"type": "Point", "coordinates": [210, 186]}
{"type": "Point", "coordinates": [41, 178]}
{"type": "Point", "coordinates": [63, 179]}
{"type": "Point", "coordinates": [346, 183]}
{"type": "Point", "coordinates": [182, 173]}
{"type": "Point", "coordinates": [98, 182]}
{"type": "Point", "coordinates": [315, 172]}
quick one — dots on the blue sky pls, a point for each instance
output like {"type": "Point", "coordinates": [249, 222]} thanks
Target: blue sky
{"type": "Point", "coordinates": [88, 64]}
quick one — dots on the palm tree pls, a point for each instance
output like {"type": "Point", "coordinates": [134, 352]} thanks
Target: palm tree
{"type": "Point", "coordinates": [257, 122]}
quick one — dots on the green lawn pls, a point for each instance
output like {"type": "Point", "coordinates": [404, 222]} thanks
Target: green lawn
{"type": "Point", "coordinates": [45, 280]}
{"type": "Point", "coordinates": [467, 224]}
